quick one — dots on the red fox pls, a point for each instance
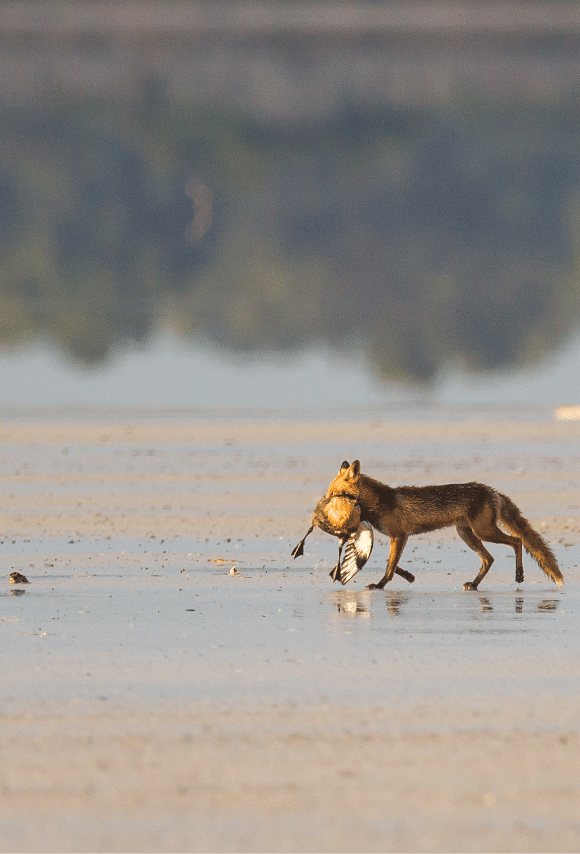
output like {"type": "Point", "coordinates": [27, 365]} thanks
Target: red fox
{"type": "Point", "coordinates": [474, 509]}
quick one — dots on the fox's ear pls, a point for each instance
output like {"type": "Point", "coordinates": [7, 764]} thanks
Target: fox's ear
{"type": "Point", "coordinates": [353, 470]}
{"type": "Point", "coordinates": [344, 466]}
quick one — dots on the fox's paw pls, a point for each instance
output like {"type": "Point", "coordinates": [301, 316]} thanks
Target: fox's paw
{"type": "Point", "coordinates": [470, 585]}
{"type": "Point", "coordinates": [373, 587]}
{"type": "Point", "coordinates": [519, 576]}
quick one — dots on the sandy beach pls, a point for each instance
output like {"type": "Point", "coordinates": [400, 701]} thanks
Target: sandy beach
{"type": "Point", "coordinates": [152, 701]}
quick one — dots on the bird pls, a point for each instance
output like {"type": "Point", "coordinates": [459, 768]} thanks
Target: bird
{"type": "Point", "coordinates": [340, 516]}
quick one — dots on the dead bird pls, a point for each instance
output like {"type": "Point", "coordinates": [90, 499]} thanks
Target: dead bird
{"type": "Point", "coordinates": [340, 516]}
{"type": "Point", "coordinates": [18, 578]}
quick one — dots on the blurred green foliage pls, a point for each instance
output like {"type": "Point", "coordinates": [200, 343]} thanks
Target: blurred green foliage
{"type": "Point", "coordinates": [423, 235]}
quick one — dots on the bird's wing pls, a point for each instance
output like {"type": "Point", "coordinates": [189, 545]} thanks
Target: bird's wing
{"type": "Point", "coordinates": [356, 552]}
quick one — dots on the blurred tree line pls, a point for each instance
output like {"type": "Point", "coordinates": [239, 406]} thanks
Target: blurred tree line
{"type": "Point", "coordinates": [423, 235]}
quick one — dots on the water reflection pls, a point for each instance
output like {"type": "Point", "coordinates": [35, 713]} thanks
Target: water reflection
{"type": "Point", "coordinates": [549, 605]}
{"type": "Point", "coordinates": [351, 604]}
{"type": "Point", "coordinates": [543, 605]}
{"type": "Point", "coordinates": [427, 233]}
{"type": "Point", "coordinates": [426, 612]}
{"type": "Point", "coordinates": [394, 602]}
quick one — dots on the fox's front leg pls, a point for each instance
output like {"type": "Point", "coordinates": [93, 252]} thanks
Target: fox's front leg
{"type": "Point", "coordinates": [397, 546]}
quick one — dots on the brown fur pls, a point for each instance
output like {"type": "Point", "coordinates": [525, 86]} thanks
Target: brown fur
{"type": "Point", "coordinates": [473, 508]}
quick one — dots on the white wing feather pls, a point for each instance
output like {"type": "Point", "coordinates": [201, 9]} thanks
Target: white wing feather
{"type": "Point", "coordinates": [356, 552]}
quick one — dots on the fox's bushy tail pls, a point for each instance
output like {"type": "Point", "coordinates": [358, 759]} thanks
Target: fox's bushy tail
{"type": "Point", "coordinates": [534, 543]}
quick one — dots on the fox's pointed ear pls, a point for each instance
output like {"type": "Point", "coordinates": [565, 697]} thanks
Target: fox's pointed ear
{"type": "Point", "coordinates": [344, 466]}
{"type": "Point", "coordinates": [353, 470]}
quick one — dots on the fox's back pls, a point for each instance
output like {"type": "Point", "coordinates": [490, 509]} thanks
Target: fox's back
{"type": "Point", "coordinates": [413, 509]}
{"type": "Point", "coordinates": [418, 509]}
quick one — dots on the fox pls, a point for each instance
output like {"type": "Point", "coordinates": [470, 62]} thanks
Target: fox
{"type": "Point", "coordinates": [473, 508]}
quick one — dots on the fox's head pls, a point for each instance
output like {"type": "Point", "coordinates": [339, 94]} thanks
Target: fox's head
{"type": "Point", "coordinates": [347, 480]}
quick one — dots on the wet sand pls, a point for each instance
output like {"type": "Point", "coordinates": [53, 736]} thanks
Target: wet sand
{"type": "Point", "coordinates": [151, 701]}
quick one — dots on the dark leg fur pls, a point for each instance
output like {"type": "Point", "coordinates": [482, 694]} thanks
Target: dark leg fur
{"type": "Point", "coordinates": [470, 539]}
{"type": "Point", "coordinates": [408, 576]}
{"type": "Point", "coordinates": [397, 546]}
{"type": "Point", "coordinates": [489, 532]}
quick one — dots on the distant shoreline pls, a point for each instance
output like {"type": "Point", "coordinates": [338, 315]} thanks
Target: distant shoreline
{"type": "Point", "coordinates": [289, 61]}
{"type": "Point", "coordinates": [338, 19]}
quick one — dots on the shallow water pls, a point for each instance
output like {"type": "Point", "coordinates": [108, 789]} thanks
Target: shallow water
{"type": "Point", "coordinates": [153, 701]}
{"type": "Point", "coordinates": [156, 624]}
{"type": "Point", "coordinates": [128, 531]}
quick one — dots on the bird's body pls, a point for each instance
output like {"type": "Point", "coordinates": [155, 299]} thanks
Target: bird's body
{"type": "Point", "coordinates": [340, 516]}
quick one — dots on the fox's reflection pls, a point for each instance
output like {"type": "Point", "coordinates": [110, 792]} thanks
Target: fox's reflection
{"type": "Point", "coordinates": [353, 604]}
{"type": "Point", "coordinates": [544, 605]}
{"type": "Point", "coordinates": [351, 607]}
{"type": "Point", "coordinates": [394, 602]}
{"type": "Point", "coordinates": [549, 605]}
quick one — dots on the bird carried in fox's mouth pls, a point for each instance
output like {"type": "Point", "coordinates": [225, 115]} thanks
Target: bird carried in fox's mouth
{"type": "Point", "coordinates": [340, 516]}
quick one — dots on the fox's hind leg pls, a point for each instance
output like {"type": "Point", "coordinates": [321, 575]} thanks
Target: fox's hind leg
{"type": "Point", "coordinates": [489, 531]}
{"type": "Point", "coordinates": [469, 537]}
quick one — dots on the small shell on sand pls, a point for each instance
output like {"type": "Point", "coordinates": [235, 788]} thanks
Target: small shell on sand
{"type": "Point", "coordinates": [18, 578]}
